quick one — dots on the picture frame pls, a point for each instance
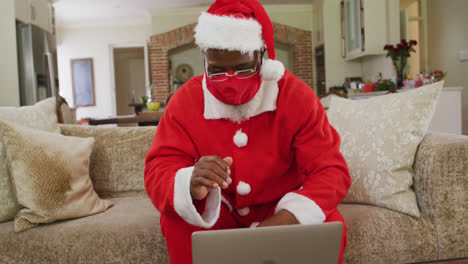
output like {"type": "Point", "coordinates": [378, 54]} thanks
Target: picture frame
{"type": "Point", "coordinates": [82, 71]}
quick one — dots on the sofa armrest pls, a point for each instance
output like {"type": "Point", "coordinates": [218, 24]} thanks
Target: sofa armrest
{"type": "Point", "coordinates": [441, 179]}
{"type": "Point", "coordinates": [118, 156]}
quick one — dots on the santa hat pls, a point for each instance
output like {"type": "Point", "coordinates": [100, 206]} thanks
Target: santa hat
{"type": "Point", "coordinates": [241, 25]}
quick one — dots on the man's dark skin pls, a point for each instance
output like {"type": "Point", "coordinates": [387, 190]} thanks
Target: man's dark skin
{"type": "Point", "coordinates": [211, 172]}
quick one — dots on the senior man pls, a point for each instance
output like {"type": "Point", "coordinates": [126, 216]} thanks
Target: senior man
{"type": "Point", "coordinates": [247, 144]}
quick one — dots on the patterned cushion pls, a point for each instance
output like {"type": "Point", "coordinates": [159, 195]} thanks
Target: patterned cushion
{"type": "Point", "coordinates": [41, 116]}
{"type": "Point", "coordinates": [379, 137]}
{"type": "Point", "coordinates": [118, 157]}
{"type": "Point", "coordinates": [50, 175]}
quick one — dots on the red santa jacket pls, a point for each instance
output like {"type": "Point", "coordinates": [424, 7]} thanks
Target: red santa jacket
{"type": "Point", "coordinates": [284, 152]}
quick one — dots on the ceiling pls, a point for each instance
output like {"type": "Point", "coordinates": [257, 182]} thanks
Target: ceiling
{"type": "Point", "coordinates": [70, 12]}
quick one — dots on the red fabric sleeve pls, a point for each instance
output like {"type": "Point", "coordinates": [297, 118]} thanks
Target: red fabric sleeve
{"type": "Point", "coordinates": [172, 149]}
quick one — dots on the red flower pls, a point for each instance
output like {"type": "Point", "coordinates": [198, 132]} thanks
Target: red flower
{"type": "Point", "coordinates": [397, 49]}
{"type": "Point", "coordinates": [405, 43]}
{"type": "Point", "coordinates": [388, 47]}
{"type": "Point", "coordinates": [413, 42]}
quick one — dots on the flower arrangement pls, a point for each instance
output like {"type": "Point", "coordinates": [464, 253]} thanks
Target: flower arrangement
{"type": "Point", "coordinates": [400, 54]}
{"type": "Point", "coordinates": [385, 85]}
{"type": "Point", "coordinates": [438, 75]}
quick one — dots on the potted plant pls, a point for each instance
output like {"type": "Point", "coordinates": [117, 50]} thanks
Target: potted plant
{"type": "Point", "coordinates": [400, 54]}
{"type": "Point", "coordinates": [385, 85]}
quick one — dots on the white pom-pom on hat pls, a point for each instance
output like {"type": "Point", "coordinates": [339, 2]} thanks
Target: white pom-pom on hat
{"type": "Point", "coordinates": [272, 70]}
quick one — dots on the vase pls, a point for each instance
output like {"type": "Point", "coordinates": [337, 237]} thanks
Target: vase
{"type": "Point", "coordinates": [400, 67]}
{"type": "Point", "coordinates": [401, 77]}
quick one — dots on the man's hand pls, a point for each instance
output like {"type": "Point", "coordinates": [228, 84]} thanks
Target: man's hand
{"type": "Point", "coordinates": [209, 173]}
{"type": "Point", "coordinates": [283, 217]}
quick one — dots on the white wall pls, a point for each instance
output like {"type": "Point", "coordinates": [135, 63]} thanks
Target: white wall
{"type": "Point", "coordinates": [9, 86]}
{"type": "Point", "coordinates": [447, 22]}
{"type": "Point", "coordinates": [95, 42]}
{"type": "Point", "coordinates": [373, 65]}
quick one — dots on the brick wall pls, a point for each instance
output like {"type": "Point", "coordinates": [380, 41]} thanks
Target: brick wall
{"type": "Point", "coordinates": [160, 45]}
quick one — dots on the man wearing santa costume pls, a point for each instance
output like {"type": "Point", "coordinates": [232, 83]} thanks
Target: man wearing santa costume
{"type": "Point", "coordinates": [245, 145]}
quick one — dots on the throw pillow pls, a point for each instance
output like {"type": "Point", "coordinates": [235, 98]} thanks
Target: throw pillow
{"type": "Point", "coordinates": [41, 116]}
{"type": "Point", "coordinates": [50, 176]}
{"type": "Point", "coordinates": [379, 139]}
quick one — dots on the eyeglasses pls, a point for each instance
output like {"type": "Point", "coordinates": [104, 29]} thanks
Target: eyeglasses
{"type": "Point", "coordinates": [243, 74]}
{"type": "Point", "coordinates": [222, 76]}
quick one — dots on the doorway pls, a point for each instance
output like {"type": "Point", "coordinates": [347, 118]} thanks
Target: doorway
{"type": "Point", "coordinates": [413, 26]}
{"type": "Point", "coordinates": [129, 77]}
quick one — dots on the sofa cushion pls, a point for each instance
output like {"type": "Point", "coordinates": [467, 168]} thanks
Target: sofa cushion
{"type": "Point", "coordinates": [50, 175]}
{"type": "Point", "coordinates": [41, 116]}
{"type": "Point", "coordinates": [379, 137]}
{"type": "Point", "coordinates": [126, 233]}
{"type": "Point", "coordinates": [378, 235]}
{"type": "Point", "coordinates": [118, 157]}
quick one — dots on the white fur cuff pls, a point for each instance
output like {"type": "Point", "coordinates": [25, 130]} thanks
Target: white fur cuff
{"type": "Point", "coordinates": [229, 33]}
{"type": "Point", "coordinates": [183, 203]}
{"type": "Point", "coordinates": [304, 209]}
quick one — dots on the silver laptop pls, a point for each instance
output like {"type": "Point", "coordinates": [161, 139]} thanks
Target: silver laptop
{"type": "Point", "coordinates": [293, 244]}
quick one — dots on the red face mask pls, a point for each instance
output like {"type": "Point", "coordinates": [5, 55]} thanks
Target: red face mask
{"type": "Point", "coordinates": [234, 91]}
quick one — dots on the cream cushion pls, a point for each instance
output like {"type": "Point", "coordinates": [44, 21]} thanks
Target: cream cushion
{"type": "Point", "coordinates": [50, 176]}
{"type": "Point", "coordinates": [379, 138]}
{"type": "Point", "coordinates": [41, 116]}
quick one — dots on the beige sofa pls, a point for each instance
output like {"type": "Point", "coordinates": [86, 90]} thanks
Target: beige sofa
{"type": "Point", "coordinates": [129, 232]}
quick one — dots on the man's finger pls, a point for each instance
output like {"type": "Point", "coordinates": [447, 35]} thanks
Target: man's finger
{"type": "Point", "coordinates": [220, 162]}
{"type": "Point", "coordinates": [210, 174]}
{"type": "Point", "coordinates": [224, 170]}
{"type": "Point", "coordinates": [219, 172]}
{"type": "Point", "coordinates": [207, 183]}
{"type": "Point", "coordinates": [228, 160]}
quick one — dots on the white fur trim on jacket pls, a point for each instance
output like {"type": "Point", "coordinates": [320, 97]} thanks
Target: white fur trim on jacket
{"type": "Point", "coordinates": [243, 188]}
{"type": "Point", "coordinates": [240, 139]}
{"type": "Point", "coordinates": [272, 70]}
{"type": "Point", "coordinates": [226, 202]}
{"type": "Point", "coordinates": [183, 203]}
{"type": "Point", "coordinates": [254, 224]}
{"type": "Point", "coordinates": [229, 33]}
{"type": "Point", "coordinates": [304, 209]}
{"type": "Point", "coordinates": [263, 101]}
